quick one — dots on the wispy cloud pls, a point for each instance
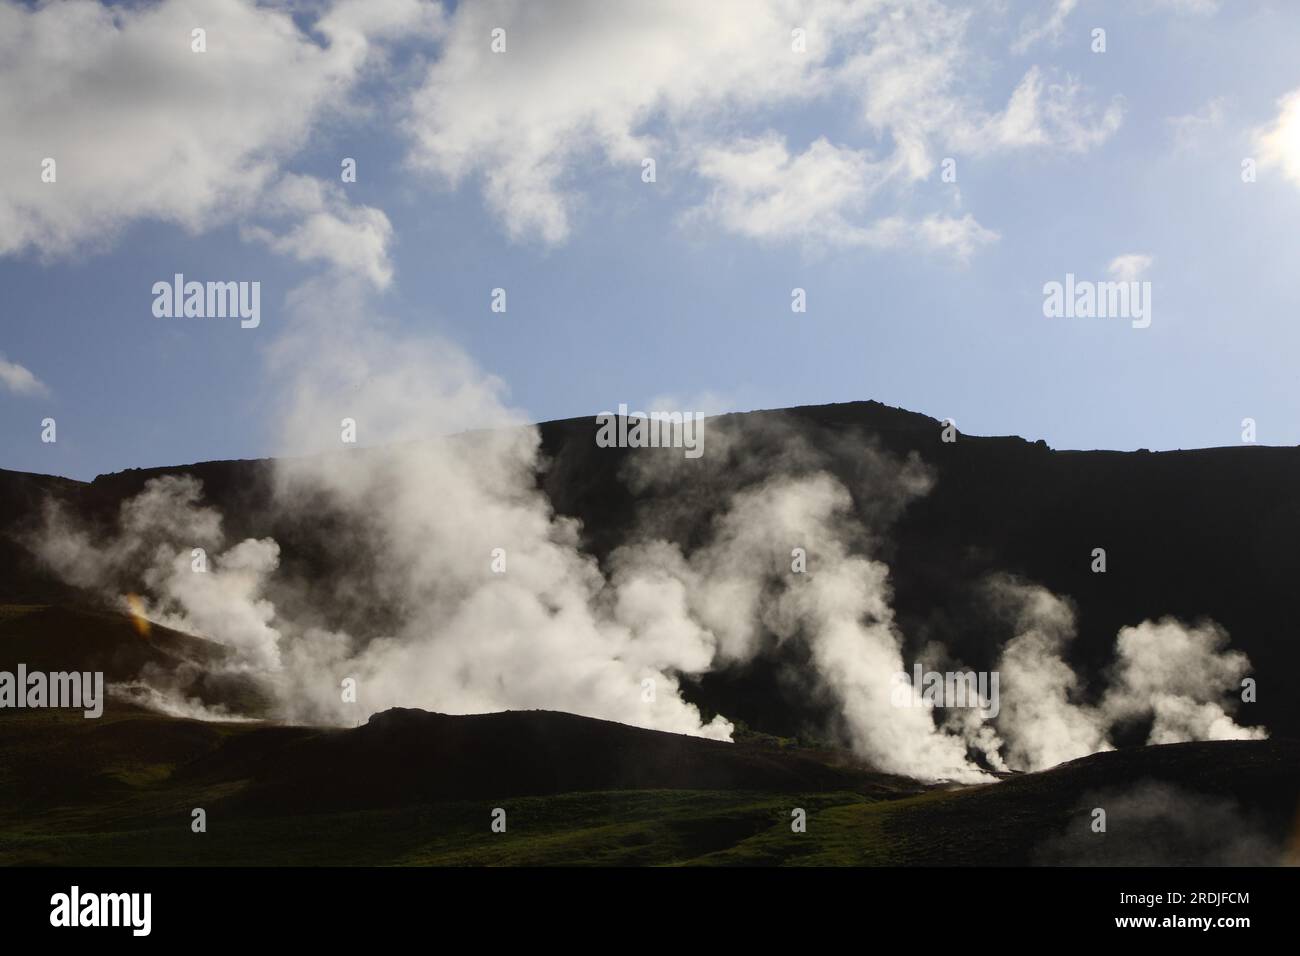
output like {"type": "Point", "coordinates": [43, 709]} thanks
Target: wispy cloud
{"type": "Point", "coordinates": [1190, 127]}
{"type": "Point", "coordinates": [20, 380]}
{"type": "Point", "coordinates": [1033, 30]}
{"type": "Point", "coordinates": [1129, 267]}
{"type": "Point", "coordinates": [658, 80]}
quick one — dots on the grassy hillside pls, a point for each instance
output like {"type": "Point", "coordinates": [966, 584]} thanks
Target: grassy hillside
{"type": "Point", "coordinates": [120, 790]}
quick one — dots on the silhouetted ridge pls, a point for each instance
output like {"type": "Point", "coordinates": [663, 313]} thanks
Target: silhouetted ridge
{"type": "Point", "coordinates": [1192, 534]}
{"type": "Point", "coordinates": [403, 756]}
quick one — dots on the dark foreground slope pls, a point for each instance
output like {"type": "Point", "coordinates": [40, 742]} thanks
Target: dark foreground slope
{"type": "Point", "coordinates": [1208, 533]}
{"type": "Point", "coordinates": [405, 755]}
{"type": "Point", "coordinates": [416, 788]}
{"type": "Point", "coordinates": [1221, 803]}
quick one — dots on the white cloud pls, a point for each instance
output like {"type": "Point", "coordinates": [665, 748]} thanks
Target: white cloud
{"type": "Point", "coordinates": [1278, 143]}
{"type": "Point", "coordinates": [915, 87]}
{"type": "Point", "coordinates": [581, 82]}
{"type": "Point", "coordinates": [762, 192]}
{"type": "Point", "coordinates": [1051, 28]}
{"type": "Point", "coordinates": [142, 128]}
{"type": "Point", "coordinates": [20, 380]}
{"type": "Point", "coordinates": [1190, 127]}
{"type": "Point", "coordinates": [586, 75]}
{"type": "Point", "coordinates": [959, 236]}
{"type": "Point", "coordinates": [325, 227]}
{"type": "Point", "coordinates": [1129, 267]}
{"type": "Point", "coordinates": [1041, 113]}
{"type": "Point", "coordinates": [585, 82]}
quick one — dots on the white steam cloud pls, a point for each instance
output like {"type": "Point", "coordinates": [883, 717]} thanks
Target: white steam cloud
{"type": "Point", "coordinates": [740, 587]}
{"type": "Point", "coordinates": [1173, 676]}
{"type": "Point", "coordinates": [1043, 719]}
{"type": "Point", "coordinates": [468, 593]}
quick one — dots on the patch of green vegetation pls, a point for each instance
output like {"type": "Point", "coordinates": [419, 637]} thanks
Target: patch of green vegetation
{"type": "Point", "coordinates": [114, 792]}
{"type": "Point", "coordinates": [623, 828]}
{"type": "Point", "coordinates": [121, 790]}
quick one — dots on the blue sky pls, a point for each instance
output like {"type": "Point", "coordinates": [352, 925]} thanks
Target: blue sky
{"type": "Point", "coordinates": [522, 170]}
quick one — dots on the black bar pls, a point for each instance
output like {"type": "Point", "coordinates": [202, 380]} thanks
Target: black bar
{"type": "Point", "coordinates": [925, 904]}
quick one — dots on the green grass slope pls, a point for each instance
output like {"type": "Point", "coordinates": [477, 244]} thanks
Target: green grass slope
{"type": "Point", "coordinates": [120, 791]}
